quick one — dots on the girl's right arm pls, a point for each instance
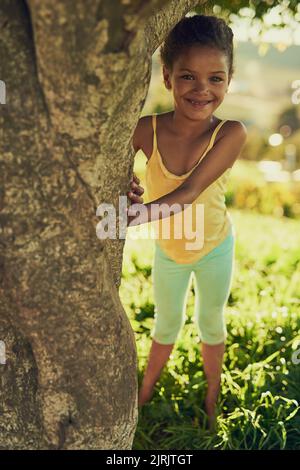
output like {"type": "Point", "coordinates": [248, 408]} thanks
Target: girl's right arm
{"type": "Point", "coordinates": [141, 133]}
{"type": "Point", "coordinates": [139, 137]}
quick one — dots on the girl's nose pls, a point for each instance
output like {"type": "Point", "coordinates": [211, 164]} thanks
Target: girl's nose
{"type": "Point", "coordinates": [200, 87]}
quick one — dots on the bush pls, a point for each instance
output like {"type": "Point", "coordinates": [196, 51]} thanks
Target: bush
{"type": "Point", "coordinates": [246, 189]}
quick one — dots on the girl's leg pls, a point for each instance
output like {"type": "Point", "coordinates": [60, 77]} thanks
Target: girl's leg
{"type": "Point", "coordinates": [170, 286]}
{"type": "Point", "coordinates": [213, 278]}
{"type": "Point", "coordinates": [159, 354]}
{"type": "Point", "coordinates": [212, 364]}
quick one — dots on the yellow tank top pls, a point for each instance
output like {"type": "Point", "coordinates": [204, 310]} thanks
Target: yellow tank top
{"type": "Point", "coordinates": [217, 220]}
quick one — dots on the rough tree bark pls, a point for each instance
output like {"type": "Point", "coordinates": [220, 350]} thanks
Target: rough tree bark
{"type": "Point", "coordinates": [77, 75]}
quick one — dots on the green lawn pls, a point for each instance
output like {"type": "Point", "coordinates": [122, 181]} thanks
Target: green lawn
{"type": "Point", "coordinates": [260, 383]}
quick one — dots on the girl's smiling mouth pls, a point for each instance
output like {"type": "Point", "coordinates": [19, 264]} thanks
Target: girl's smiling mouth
{"type": "Point", "coordinates": [199, 104]}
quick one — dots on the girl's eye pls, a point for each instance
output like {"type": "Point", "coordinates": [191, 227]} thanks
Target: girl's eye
{"type": "Point", "coordinates": [219, 79]}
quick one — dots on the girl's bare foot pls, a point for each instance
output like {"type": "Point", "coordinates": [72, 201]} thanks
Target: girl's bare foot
{"type": "Point", "coordinates": [210, 409]}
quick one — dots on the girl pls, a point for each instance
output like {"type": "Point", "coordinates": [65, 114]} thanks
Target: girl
{"type": "Point", "coordinates": [190, 153]}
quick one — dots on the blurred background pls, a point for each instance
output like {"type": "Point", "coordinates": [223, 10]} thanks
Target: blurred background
{"type": "Point", "coordinates": [261, 378]}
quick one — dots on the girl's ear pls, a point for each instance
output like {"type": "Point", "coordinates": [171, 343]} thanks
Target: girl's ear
{"type": "Point", "coordinates": [166, 75]}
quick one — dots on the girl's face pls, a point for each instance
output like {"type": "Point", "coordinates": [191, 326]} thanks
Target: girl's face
{"type": "Point", "coordinates": [200, 73]}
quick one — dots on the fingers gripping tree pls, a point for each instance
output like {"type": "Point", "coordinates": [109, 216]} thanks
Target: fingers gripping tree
{"type": "Point", "coordinates": [76, 76]}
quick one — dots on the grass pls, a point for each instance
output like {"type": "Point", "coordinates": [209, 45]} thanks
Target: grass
{"type": "Point", "coordinates": [260, 391]}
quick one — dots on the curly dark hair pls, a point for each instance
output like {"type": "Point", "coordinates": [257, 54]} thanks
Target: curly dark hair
{"type": "Point", "coordinates": [197, 30]}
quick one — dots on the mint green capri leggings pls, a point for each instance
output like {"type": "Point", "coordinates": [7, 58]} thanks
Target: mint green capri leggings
{"type": "Point", "coordinates": [171, 281]}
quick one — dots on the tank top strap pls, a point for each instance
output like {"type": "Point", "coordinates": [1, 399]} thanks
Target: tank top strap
{"type": "Point", "coordinates": [154, 148]}
{"type": "Point", "coordinates": [214, 134]}
{"type": "Point", "coordinates": [212, 139]}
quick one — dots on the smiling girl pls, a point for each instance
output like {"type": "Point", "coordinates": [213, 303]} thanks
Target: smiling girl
{"type": "Point", "coordinates": [190, 153]}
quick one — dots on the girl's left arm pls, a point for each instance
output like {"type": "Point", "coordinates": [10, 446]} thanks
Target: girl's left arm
{"type": "Point", "coordinates": [222, 156]}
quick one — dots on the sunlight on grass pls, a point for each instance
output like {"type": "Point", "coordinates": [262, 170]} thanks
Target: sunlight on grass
{"type": "Point", "coordinates": [258, 406]}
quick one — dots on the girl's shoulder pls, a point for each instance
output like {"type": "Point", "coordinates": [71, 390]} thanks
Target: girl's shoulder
{"type": "Point", "coordinates": [232, 127]}
{"type": "Point", "coordinates": [142, 135]}
{"type": "Point", "coordinates": [233, 132]}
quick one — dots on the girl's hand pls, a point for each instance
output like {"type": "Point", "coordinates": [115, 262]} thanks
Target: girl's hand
{"type": "Point", "coordinates": [134, 195]}
{"type": "Point", "coordinates": [135, 191]}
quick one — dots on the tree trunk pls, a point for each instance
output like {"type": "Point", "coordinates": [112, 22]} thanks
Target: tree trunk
{"type": "Point", "coordinates": [76, 76]}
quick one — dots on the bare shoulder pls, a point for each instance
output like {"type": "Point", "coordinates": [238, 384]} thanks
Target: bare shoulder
{"type": "Point", "coordinates": [142, 134]}
{"type": "Point", "coordinates": [236, 129]}
{"type": "Point", "coordinates": [234, 136]}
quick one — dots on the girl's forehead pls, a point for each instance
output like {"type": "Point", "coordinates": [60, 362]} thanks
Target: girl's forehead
{"type": "Point", "coordinates": [201, 57]}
